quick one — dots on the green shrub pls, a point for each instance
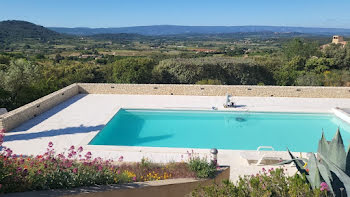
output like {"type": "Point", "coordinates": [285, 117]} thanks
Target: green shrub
{"type": "Point", "coordinates": [266, 183]}
{"type": "Point", "coordinates": [202, 168]}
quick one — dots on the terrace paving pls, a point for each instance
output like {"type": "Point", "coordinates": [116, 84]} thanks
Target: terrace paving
{"type": "Point", "coordinates": [77, 120]}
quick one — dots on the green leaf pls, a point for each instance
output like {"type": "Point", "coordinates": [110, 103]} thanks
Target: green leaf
{"type": "Point", "coordinates": [301, 160]}
{"type": "Point", "coordinates": [347, 167]}
{"type": "Point", "coordinates": [326, 175]}
{"type": "Point", "coordinates": [336, 153]}
{"type": "Point", "coordinates": [344, 178]}
{"type": "Point", "coordinates": [314, 174]}
{"type": "Point", "coordinates": [323, 146]}
{"type": "Point", "coordinates": [298, 163]}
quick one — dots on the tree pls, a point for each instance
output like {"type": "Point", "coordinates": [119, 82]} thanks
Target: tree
{"type": "Point", "coordinates": [18, 80]}
{"type": "Point", "coordinates": [298, 47]}
{"type": "Point", "coordinates": [132, 70]}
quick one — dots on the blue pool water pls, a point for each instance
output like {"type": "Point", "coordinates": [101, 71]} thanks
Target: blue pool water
{"type": "Point", "coordinates": [223, 130]}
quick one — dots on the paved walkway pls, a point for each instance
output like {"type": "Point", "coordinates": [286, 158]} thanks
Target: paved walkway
{"type": "Point", "coordinates": [77, 120]}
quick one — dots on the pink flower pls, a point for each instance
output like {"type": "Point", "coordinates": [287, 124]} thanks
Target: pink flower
{"type": "Point", "coordinates": [75, 170]}
{"type": "Point", "coordinates": [50, 144]}
{"type": "Point", "coordinates": [2, 130]}
{"type": "Point", "coordinates": [88, 155]}
{"type": "Point", "coordinates": [80, 149]}
{"type": "Point", "coordinates": [72, 148]}
{"type": "Point", "coordinates": [134, 178]}
{"type": "Point", "coordinates": [263, 169]}
{"type": "Point", "coordinates": [70, 155]}
{"type": "Point", "coordinates": [324, 186]}
{"type": "Point", "coordinates": [120, 158]}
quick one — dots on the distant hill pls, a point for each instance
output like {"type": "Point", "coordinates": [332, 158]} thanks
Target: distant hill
{"type": "Point", "coordinates": [173, 30]}
{"type": "Point", "coordinates": [16, 31]}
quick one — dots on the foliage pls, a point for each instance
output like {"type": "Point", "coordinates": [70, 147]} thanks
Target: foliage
{"type": "Point", "coordinates": [201, 167]}
{"type": "Point", "coordinates": [209, 82]}
{"type": "Point", "coordinates": [273, 182]}
{"type": "Point", "coordinates": [298, 47]}
{"type": "Point", "coordinates": [132, 70]}
{"type": "Point", "coordinates": [331, 167]}
{"type": "Point", "coordinates": [227, 70]}
{"type": "Point", "coordinates": [18, 82]}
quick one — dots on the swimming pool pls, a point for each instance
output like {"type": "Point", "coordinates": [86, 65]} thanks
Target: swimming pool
{"type": "Point", "coordinates": [299, 132]}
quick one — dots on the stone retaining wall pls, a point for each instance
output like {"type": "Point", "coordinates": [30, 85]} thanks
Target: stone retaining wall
{"type": "Point", "coordinates": [16, 117]}
{"type": "Point", "coordinates": [168, 188]}
{"type": "Point", "coordinates": [216, 90]}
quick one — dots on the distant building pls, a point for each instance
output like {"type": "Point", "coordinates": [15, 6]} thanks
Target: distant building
{"type": "Point", "coordinates": [338, 40]}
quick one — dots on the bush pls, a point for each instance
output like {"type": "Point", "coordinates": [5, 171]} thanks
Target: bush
{"type": "Point", "coordinates": [202, 168]}
{"type": "Point", "coordinates": [266, 183]}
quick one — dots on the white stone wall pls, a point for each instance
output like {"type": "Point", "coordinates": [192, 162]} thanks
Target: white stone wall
{"type": "Point", "coordinates": [216, 90]}
{"type": "Point", "coordinates": [15, 117]}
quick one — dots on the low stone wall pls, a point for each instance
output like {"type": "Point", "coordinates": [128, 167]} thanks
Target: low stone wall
{"type": "Point", "coordinates": [16, 117]}
{"type": "Point", "coordinates": [216, 90]}
{"type": "Point", "coordinates": [168, 188]}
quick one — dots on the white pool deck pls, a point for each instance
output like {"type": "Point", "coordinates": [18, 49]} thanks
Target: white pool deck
{"type": "Point", "coordinates": [77, 120]}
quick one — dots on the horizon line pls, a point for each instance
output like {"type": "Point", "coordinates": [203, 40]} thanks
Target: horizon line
{"type": "Point", "coordinates": [182, 26]}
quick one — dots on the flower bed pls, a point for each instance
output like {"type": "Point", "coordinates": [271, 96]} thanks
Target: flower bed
{"type": "Point", "coordinates": [77, 168]}
{"type": "Point", "coordinates": [272, 182]}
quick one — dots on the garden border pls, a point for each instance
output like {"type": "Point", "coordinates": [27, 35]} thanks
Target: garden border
{"type": "Point", "coordinates": [169, 188]}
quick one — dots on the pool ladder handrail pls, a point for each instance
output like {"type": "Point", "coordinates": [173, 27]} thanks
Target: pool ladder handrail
{"type": "Point", "coordinates": [265, 147]}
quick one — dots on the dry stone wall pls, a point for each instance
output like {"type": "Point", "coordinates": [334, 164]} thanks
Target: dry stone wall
{"type": "Point", "coordinates": [18, 116]}
{"type": "Point", "coordinates": [216, 90]}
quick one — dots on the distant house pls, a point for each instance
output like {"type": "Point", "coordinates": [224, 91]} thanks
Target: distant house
{"type": "Point", "coordinates": [339, 40]}
{"type": "Point", "coordinates": [336, 40]}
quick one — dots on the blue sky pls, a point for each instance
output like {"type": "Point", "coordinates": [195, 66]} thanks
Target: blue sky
{"type": "Point", "coordinates": [121, 13]}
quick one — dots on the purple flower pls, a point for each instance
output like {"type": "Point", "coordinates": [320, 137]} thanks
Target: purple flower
{"type": "Point", "coordinates": [70, 155]}
{"type": "Point", "coordinates": [134, 178]}
{"type": "Point", "coordinates": [88, 155]}
{"type": "Point", "coordinates": [324, 186]}
{"type": "Point", "coordinates": [121, 158]}
{"type": "Point", "coordinates": [80, 149]}
{"type": "Point", "coordinates": [75, 170]}
{"type": "Point", "coordinates": [50, 144]}
{"type": "Point", "coordinates": [72, 148]}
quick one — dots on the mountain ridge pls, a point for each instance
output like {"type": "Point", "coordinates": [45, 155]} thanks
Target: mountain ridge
{"type": "Point", "coordinates": [155, 30]}
{"type": "Point", "coordinates": [14, 30]}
